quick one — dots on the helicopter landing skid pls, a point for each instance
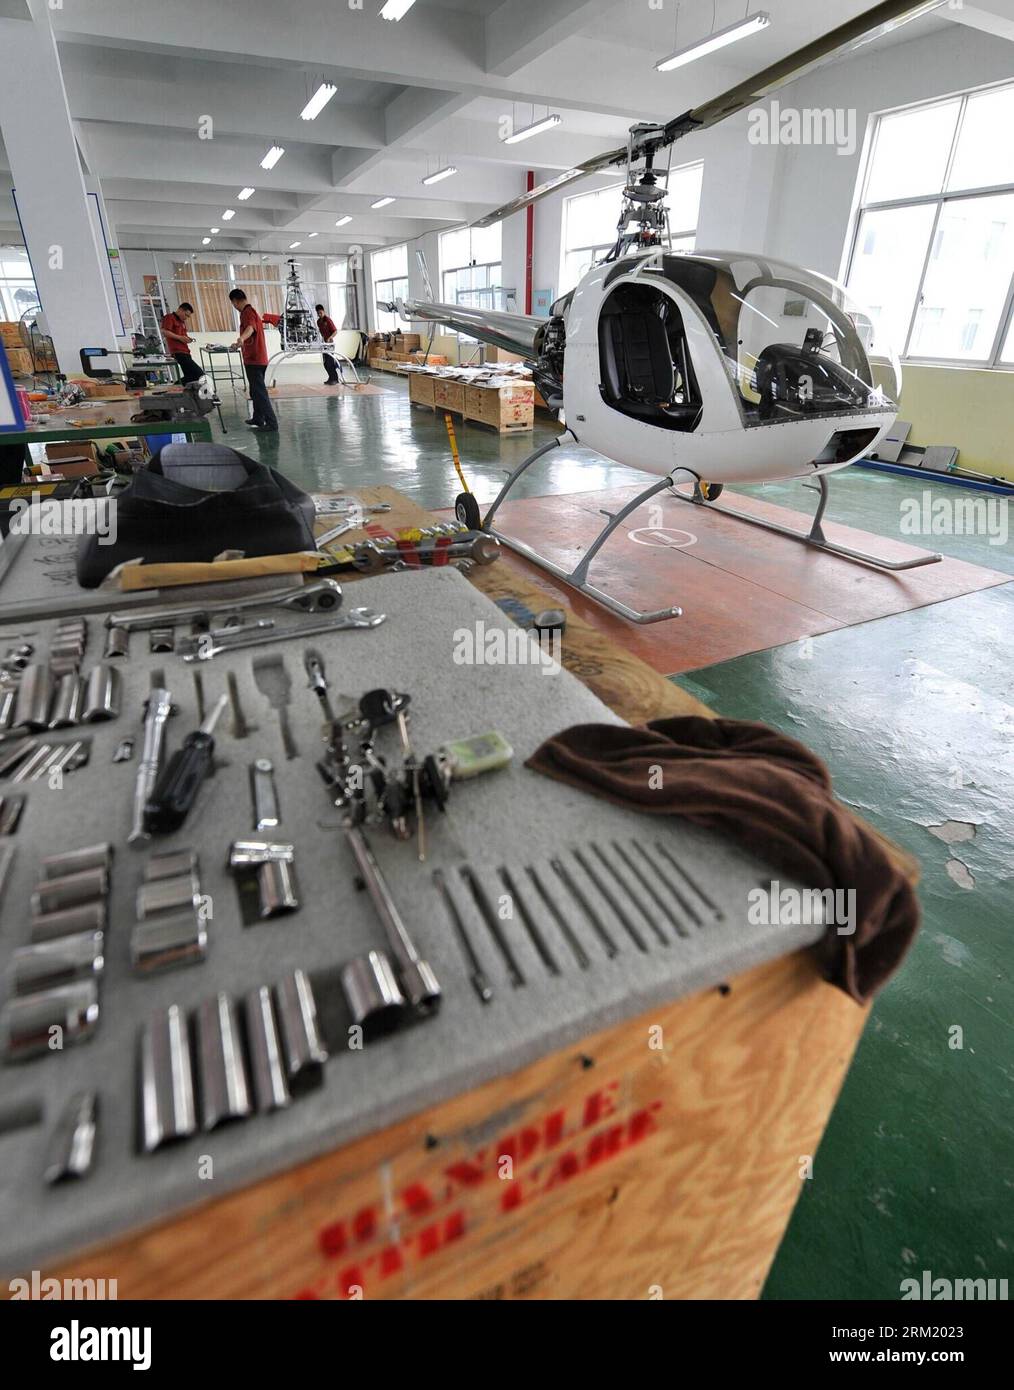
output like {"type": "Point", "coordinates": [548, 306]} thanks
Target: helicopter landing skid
{"type": "Point", "coordinates": [316, 350]}
{"type": "Point", "coordinates": [815, 536]}
{"type": "Point", "coordinates": [577, 578]}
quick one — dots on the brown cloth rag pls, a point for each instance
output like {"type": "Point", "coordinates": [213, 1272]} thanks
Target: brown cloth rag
{"type": "Point", "coordinates": [772, 795]}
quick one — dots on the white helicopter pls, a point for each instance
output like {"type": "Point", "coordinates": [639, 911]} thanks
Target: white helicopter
{"type": "Point", "coordinates": [711, 368]}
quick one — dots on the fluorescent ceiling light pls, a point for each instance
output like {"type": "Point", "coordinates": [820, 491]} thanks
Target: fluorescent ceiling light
{"type": "Point", "coordinates": [272, 157]}
{"type": "Point", "coordinates": [294, 244]}
{"type": "Point", "coordinates": [712, 42]}
{"type": "Point", "coordinates": [314, 233]}
{"type": "Point", "coordinates": [342, 221]}
{"type": "Point", "coordinates": [318, 101]}
{"type": "Point", "coordinates": [440, 174]}
{"type": "Point", "coordinates": [228, 214]}
{"type": "Point", "coordinates": [215, 231]}
{"type": "Point", "coordinates": [245, 193]}
{"type": "Point", "coordinates": [381, 202]}
{"type": "Point", "coordinates": [536, 128]}
{"type": "Point", "coordinates": [206, 241]}
{"type": "Point", "coordinates": [396, 9]}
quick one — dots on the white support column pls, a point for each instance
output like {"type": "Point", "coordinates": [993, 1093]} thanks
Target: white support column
{"type": "Point", "coordinates": [71, 269]}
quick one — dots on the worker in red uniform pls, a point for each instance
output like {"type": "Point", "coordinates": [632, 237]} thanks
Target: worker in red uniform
{"type": "Point", "coordinates": [328, 332]}
{"type": "Point", "coordinates": [253, 345]}
{"type": "Point", "coordinates": [178, 340]}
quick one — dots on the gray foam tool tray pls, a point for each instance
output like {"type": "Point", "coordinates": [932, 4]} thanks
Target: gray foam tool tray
{"type": "Point", "coordinates": [512, 817]}
{"type": "Point", "coordinates": [38, 579]}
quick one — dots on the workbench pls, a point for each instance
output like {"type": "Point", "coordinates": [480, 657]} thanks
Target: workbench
{"type": "Point", "coordinates": [657, 1156]}
{"type": "Point", "coordinates": [113, 422]}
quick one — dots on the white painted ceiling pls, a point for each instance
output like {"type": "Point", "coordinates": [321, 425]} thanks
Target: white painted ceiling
{"type": "Point", "coordinates": [413, 96]}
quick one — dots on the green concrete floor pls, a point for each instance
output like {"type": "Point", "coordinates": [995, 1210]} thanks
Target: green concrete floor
{"type": "Point", "coordinates": [916, 1169]}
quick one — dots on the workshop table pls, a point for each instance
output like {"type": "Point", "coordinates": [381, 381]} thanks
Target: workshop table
{"type": "Point", "coordinates": [660, 1157]}
{"type": "Point", "coordinates": [113, 422]}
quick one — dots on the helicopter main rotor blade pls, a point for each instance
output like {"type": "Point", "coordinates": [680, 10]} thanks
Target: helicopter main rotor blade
{"type": "Point", "coordinates": [580, 171]}
{"type": "Point", "coordinates": [847, 37]}
{"type": "Point", "coordinates": [517, 333]}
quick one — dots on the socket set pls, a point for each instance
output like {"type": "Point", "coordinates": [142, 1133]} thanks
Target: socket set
{"type": "Point", "coordinates": [171, 930]}
{"type": "Point", "coordinates": [53, 983]}
{"type": "Point", "coordinates": [205, 1070]}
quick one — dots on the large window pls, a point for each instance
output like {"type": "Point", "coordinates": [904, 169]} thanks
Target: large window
{"type": "Point", "coordinates": [341, 293]}
{"type": "Point", "coordinates": [933, 250]}
{"type": "Point", "coordinates": [471, 269]}
{"type": "Point", "coordinates": [589, 222]}
{"type": "Point", "coordinates": [205, 283]}
{"type": "Point", "coordinates": [17, 288]}
{"type": "Point", "coordinates": [389, 269]}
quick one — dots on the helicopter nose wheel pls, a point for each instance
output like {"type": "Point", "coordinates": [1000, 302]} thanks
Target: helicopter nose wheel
{"type": "Point", "coordinates": [466, 509]}
{"type": "Point", "coordinates": [708, 492]}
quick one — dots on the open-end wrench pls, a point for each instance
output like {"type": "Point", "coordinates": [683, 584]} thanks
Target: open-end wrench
{"type": "Point", "coordinates": [353, 618]}
{"type": "Point", "coordinates": [323, 596]}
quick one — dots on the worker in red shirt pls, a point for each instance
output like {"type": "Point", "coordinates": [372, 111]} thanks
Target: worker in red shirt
{"type": "Point", "coordinates": [328, 332]}
{"type": "Point", "coordinates": [178, 340]}
{"type": "Point", "coordinates": [253, 345]}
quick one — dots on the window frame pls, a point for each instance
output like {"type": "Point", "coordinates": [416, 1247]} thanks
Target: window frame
{"type": "Point", "coordinates": [994, 360]}
{"type": "Point", "coordinates": [597, 251]}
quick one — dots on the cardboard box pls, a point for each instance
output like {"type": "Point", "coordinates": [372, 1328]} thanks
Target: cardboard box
{"type": "Point", "coordinates": [406, 342]}
{"type": "Point", "coordinates": [10, 334]}
{"type": "Point", "coordinates": [72, 450]}
{"type": "Point", "coordinates": [449, 395]}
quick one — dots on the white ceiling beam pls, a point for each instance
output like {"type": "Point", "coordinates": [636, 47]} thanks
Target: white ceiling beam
{"type": "Point", "coordinates": [519, 31]}
{"type": "Point", "coordinates": [431, 47]}
{"type": "Point", "coordinates": [997, 21]}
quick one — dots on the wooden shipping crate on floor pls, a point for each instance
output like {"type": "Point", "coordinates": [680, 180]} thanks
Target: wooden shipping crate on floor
{"type": "Point", "coordinates": [448, 395]}
{"type": "Point", "coordinates": [509, 408]}
{"type": "Point", "coordinates": [421, 388]}
{"type": "Point", "coordinates": [659, 1158]}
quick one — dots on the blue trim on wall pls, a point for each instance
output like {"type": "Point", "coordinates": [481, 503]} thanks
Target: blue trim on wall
{"type": "Point", "coordinates": [928, 473]}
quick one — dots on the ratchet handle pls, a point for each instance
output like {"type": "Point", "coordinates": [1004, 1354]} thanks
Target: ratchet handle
{"type": "Point", "coordinates": [177, 788]}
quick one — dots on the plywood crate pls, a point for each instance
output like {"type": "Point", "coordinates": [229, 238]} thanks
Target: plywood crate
{"type": "Point", "coordinates": [506, 408]}
{"type": "Point", "coordinates": [20, 360]}
{"type": "Point", "coordinates": [449, 395]}
{"type": "Point", "coordinates": [10, 334]}
{"type": "Point", "coordinates": [421, 388]}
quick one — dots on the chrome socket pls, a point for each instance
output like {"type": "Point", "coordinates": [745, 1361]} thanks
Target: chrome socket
{"type": "Point", "coordinates": [371, 991]}
{"type": "Point", "coordinates": [71, 890]}
{"type": "Point", "coordinates": [167, 1081]}
{"type": "Point", "coordinates": [303, 1050]}
{"type": "Point", "coordinates": [270, 1088]}
{"type": "Point", "coordinates": [67, 702]}
{"type": "Point", "coordinates": [68, 921]}
{"type": "Point", "coordinates": [51, 964]}
{"type": "Point", "coordinates": [276, 884]}
{"type": "Point", "coordinates": [75, 860]}
{"type": "Point", "coordinates": [102, 694]}
{"type": "Point", "coordinates": [71, 1147]}
{"type": "Point", "coordinates": [27, 1024]}
{"type": "Point", "coordinates": [222, 1076]}
{"type": "Point", "coordinates": [160, 895]}
{"type": "Point", "coordinates": [35, 693]}
{"type": "Point", "coordinates": [167, 943]}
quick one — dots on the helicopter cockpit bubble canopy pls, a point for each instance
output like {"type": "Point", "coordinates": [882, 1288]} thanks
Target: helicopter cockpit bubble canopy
{"type": "Point", "coordinates": [796, 344]}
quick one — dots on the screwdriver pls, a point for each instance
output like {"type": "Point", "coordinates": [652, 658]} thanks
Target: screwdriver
{"type": "Point", "coordinates": [177, 787]}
